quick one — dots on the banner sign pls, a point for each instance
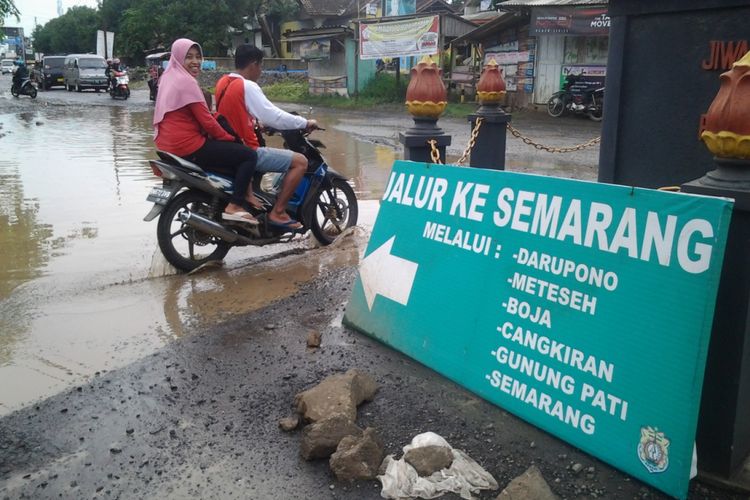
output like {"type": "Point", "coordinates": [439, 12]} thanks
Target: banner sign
{"type": "Point", "coordinates": [412, 37]}
{"type": "Point", "coordinates": [583, 308]}
{"type": "Point", "coordinates": [589, 21]}
{"type": "Point", "coordinates": [315, 49]}
{"type": "Point", "coordinates": [586, 78]}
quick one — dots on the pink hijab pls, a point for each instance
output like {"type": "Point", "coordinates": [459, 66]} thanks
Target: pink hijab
{"type": "Point", "coordinates": [177, 87]}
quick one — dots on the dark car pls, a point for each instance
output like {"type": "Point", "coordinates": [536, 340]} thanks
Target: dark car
{"type": "Point", "coordinates": [51, 72]}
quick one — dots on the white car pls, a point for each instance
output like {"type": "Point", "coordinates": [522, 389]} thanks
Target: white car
{"type": "Point", "coordinates": [7, 66]}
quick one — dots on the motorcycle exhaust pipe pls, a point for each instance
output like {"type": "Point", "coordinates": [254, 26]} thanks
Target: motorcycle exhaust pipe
{"type": "Point", "coordinates": [211, 227]}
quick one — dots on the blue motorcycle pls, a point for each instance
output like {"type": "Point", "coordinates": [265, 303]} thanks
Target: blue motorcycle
{"type": "Point", "coordinates": [190, 203]}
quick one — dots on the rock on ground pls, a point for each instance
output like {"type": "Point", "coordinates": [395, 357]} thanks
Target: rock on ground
{"type": "Point", "coordinates": [429, 459]}
{"type": "Point", "coordinates": [288, 424]}
{"type": "Point", "coordinates": [313, 339]}
{"type": "Point", "coordinates": [320, 440]}
{"type": "Point", "coordinates": [338, 394]}
{"type": "Point", "coordinates": [528, 486]}
{"type": "Point", "coordinates": [358, 457]}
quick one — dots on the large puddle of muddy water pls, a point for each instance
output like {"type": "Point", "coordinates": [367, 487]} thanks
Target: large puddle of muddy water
{"type": "Point", "coordinates": [83, 287]}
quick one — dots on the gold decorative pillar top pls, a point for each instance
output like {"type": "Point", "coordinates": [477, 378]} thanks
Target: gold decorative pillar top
{"type": "Point", "coordinates": [491, 86]}
{"type": "Point", "coordinates": [426, 96]}
{"type": "Point", "coordinates": [727, 123]}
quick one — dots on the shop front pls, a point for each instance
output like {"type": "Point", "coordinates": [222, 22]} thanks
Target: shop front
{"type": "Point", "coordinates": [570, 40]}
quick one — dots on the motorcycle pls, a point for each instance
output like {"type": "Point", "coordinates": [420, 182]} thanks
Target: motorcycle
{"type": "Point", "coordinates": [119, 87]}
{"type": "Point", "coordinates": [190, 203]}
{"type": "Point", "coordinates": [24, 87]}
{"type": "Point", "coordinates": [589, 102]}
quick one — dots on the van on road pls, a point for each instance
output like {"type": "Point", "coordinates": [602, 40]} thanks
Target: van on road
{"type": "Point", "coordinates": [85, 71]}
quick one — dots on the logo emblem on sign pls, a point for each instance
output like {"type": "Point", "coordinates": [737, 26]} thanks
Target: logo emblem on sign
{"type": "Point", "coordinates": [653, 450]}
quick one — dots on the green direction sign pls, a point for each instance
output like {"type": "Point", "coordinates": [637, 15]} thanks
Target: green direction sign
{"type": "Point", "coordinates": [584, 308]}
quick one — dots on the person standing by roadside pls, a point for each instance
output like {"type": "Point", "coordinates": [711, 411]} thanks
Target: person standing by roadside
{"type": "Point", "coordinates": [240, 99]}
{"type": "Point", "coordinates": [184, 127]}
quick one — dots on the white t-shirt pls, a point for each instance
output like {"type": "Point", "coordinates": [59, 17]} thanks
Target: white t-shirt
{"type": "Point", "coordinates": [258, 105]}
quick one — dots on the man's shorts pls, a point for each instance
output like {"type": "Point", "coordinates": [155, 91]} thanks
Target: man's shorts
{"type": "Point", "coordinates": [273, 160]}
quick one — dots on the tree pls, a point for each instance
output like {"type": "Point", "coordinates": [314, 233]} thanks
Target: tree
{"type": "Point", "coordinates": [110, 13]}
{"type": "Point", "coordinates": [8, 8]}
{"type": "Point", "coordinates": [148, 24]}
{"type": "Point", "coordinates": [75, 31]}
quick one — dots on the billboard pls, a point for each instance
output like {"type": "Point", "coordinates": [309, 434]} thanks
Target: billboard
{"type": "Point", "coordinates": [584, 21]}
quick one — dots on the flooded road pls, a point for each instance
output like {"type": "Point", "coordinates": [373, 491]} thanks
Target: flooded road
{"type": "Point", "coordinates": [83, 286]}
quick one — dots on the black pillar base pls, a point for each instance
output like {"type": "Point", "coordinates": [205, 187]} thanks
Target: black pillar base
{"type": "Point", "coordinates": [489, 148]}
{"type": "Point", "coordinates": [723, 435]}
{"type": "Point", "coordinates": [415, 140]}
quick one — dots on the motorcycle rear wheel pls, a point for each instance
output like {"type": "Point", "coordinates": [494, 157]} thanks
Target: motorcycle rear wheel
{"type": "Point", "coordinates": [596, 114]}
{"type": "Point", "coordinates": [556, 106]}
{"type": "Point", "coordinates": [32, 92]}
{"type": "Point", "coordinates": [185, 247]}
{"type": "Point", "coordinates": [334, 210]}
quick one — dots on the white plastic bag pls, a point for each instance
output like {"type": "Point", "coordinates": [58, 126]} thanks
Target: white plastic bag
{"type": "Point", "coordinates": [464, 477]}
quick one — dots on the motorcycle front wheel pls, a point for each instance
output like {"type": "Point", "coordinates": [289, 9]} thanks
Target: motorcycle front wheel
{"type": "Point", "coordinates": [334, 210]}
{"type": "Point", "coordinates": [14, 91]}
{"type": "Point", "coordinates": [556, 106]}
{"type": "Point", "coordinates": [185, 247]}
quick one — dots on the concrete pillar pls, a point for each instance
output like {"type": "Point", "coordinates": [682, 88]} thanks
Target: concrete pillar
{"type": "Point", "coordinates": [489, 148]}
{"type": "Point", "coordinates": [723, 435]}
{"type": "Point", "coordinates": [415, 140]}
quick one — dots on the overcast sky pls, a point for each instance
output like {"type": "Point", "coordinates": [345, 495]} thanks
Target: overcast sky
{"type": "Point", "coordinates": [43, 10]}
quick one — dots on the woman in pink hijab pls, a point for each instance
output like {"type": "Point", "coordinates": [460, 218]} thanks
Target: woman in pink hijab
{"type": "Point", "coordinates": [183, 126]}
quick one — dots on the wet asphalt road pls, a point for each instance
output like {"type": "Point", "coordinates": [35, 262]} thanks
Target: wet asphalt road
{"type": "Point", "coordinates": [198, 419]}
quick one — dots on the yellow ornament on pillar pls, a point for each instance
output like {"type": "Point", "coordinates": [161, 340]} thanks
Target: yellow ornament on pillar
{"type": "Point", "coordinates": [491, 86]}
{"type": "Point", "coordinates": [727, 126]}
{"type": "Point", "coordinates": [426, 96]}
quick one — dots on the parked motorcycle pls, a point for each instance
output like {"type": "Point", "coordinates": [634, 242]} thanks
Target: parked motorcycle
{"type": "Point", "coordinates": [589, 102]}
{"type": "Point", "coordinates": [190, 203]}
{"type": "Point", "coordinates": [119, 88]}
{"type": "Point", "coordinates": [23, 87]}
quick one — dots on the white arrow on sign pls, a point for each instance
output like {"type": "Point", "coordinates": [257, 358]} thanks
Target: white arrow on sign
{"type": "Point", "coordinates": [387, 275]}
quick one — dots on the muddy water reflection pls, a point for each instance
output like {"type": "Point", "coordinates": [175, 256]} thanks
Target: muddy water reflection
{"type": "Point", "coordinates": [82, 284]}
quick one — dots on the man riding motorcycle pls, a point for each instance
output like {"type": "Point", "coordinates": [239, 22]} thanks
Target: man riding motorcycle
{"type": "Point", "coordinates": [113, 66]}
{"type": "Point", "coordinates": [241, 101]}
{"type": "Point", "coordinates": [21, 73]}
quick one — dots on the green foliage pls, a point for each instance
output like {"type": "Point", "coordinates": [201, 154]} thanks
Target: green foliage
{"type": "Point", "coordinates": [75, 31]}
{"type": "Point", "coordinates": [7, 9]}
{"type": "Point", "coordinates": [110, 13]}
{"type": "Point", "coordinates": [382, 89]}
{"type": "Point", "coordinates": [287, 91]}
{"type": "Point", "coordinates": [148, 24]}
{"type": "Point", "coordinates": [280, 10]}
{"type": "Point", "coordinates": [380, 93]}
{"type": "Point", "coordinates": [143, 25]}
